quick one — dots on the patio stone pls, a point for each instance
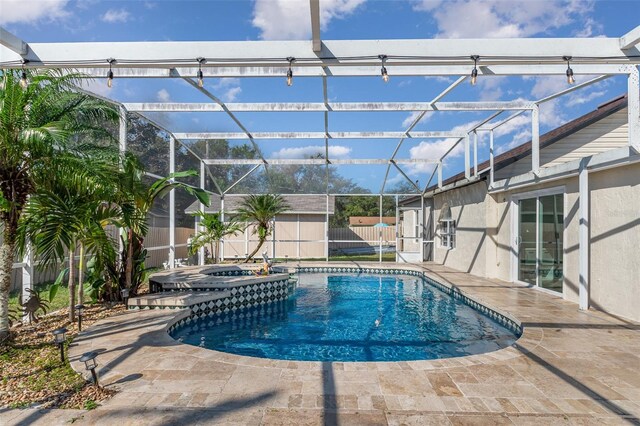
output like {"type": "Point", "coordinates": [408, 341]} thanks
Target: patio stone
{"type": "Point", "coordinates": [569, 367]}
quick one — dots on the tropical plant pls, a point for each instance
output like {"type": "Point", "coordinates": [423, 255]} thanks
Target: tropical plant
{"type": "Point", "coordinates": [68, 214]}
{"type": "Point", "coordinates": [260, 211]}
{"type": "Point", "coordinates": [213, 230]}
{"type": "Point", "coordinates": [134, 200]}
{"type": "Point", "coordinates": [37, 126]}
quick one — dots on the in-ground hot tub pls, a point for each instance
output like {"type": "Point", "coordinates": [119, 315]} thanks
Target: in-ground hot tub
{"type": "Point", "coordinates": [355, 317]}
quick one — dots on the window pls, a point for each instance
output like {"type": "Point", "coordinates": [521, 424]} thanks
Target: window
{"type": "Point", "coordinates": [448, 234]}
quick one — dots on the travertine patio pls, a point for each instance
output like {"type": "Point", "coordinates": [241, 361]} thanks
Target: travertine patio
{"type": "Point", "coordinates": [569, 367]}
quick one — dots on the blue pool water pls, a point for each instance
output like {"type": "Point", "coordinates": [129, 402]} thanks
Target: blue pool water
{"type": "Point", "coordinates": [352, 318]}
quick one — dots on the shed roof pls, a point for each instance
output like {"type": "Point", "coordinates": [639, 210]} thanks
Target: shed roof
{"type": "Point", "coordinates": [300, 204]}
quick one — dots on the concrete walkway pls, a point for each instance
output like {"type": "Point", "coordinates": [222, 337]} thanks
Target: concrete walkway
{"type": "Point", "coordinates": [569, 367]}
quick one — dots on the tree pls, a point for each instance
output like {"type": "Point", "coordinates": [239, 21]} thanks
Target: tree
{"type": "Point", "coordinates": [69, 213]}
{"type": "Point", "coordinates": [135, 199]}
{"type": "Point", "coordinates": [260, 210]}
{"type": "Point", "coordinates": [214, 230]}
{"type": "Point", "coordinates": [36, 126]}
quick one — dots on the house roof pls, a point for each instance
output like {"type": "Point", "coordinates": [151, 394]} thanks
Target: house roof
{"type": "Point", "coordinates": [300, 204]}
{"type": "Point", "coordinates": [371, 220]}
{"type": "Point", "coordinates": [549, 138]}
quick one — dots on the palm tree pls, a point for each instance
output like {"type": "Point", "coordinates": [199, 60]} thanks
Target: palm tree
{"type": "Point", "coordinates": [260, 210]}
{"type": "Point", "coordinates": [135, 199]}
{"type": "Point", "coordinates": [71, 213]}
{"type": "Point", "coordinates": [214, 230]}
{"type": "Point", "coordinates": [37, 124]}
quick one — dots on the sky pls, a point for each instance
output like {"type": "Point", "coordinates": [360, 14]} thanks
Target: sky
{"type": "Point", "coordinates": [104, 21]}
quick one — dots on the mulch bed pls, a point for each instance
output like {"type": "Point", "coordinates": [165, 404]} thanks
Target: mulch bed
{"type": "Point", "coordinates": [32, 374]}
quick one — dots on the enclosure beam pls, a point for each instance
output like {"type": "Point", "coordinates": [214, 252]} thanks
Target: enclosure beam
{"type": "Point", "coordinates": [201, 259]}
{"type": "Point", "coordinates": [315, 25]}
{"type": "Point", "coordinates": [630, 39]}
{"type": "Point", "coordinates": [317, 135]}
{"type": "Point", "coordinates": [583, 243]}
{"type": "Point", "coordinates": [491, 171]}
{"type": "Point", "coordinates": [475, 153]}
{"type": "Point", "coordinates": [243, 177]}
{"type": "Point", "coordinates": [172, 205]}
{"type": "Point", "coordinates": [326, 106]}
{"type": "Point", "coordinates": [13, 43]}
{"type": "Point", "coordinates": [572, 88]}
{"type": "Point", "coordinates": [535, 140]}
{"type": "Point", "coordinates": [467, 158]}
{"type": "Point", "coordinates": [522, 52]}
{"type": "Point", "coordinates": [407, 178]}
{"type": "Point", "coordinates": [314, 161]}
{"type": "Point", "coordinates": [633, 87]}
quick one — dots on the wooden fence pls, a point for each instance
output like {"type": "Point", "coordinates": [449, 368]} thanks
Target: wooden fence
{"type": "Point", "coordinates": [365, 236]}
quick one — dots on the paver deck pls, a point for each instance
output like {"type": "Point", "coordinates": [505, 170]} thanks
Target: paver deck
{"type": "Point", "coordinates": [569, 367]}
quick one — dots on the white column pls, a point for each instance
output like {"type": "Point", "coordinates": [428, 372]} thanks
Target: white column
{"type": "Point", "coordinates": [172, 205]}
{"type": "Point", "coordinates": [633, 83]}
{"type": "Point", "coordinates": [273, 239]}
{"type": "Point", "coordinates": [27, 278]}
{"type": "Point", "coordinates": [222, 218]}
{"type": "Point", "coordinates": [583, 236]}
{"type": "Point", "coordinates": [535, 139]}
{"type": "Point", "coordinates": [326, 231]}
{"type": "Point", "coordinates": [380, 231]}
{"type": "Point", "coordinates": [491, 176]}
{"type": "Point", "coordinates": [397, 230]}
{"type": "Point", "coordinates": [201, 258]}
{"type": "Point", "coordinates": [298, 236]}
{"type": "Point", "coordinates": [421, 223]}
{"type": "Point", "coordinates": [439, 166]}
{"type": "Point", "coordinates": [467, 158]}
{"type": "Point", "coordinates": [475, 154]}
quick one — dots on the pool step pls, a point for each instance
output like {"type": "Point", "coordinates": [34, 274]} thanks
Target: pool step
{"type": "Point", "coordinates": [175, 300]}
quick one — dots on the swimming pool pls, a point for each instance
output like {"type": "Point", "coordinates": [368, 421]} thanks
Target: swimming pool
{"type": "Point", "coordinates": [352, 317]}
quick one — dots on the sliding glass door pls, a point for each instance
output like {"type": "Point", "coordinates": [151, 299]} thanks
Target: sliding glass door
{"type": "Point", "coordinates": [540, 241]}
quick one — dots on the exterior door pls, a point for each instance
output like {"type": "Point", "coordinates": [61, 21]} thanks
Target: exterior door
{"type": "Point", "coordinates": [539, 241]}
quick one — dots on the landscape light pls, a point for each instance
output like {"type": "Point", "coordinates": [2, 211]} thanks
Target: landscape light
{"type": "Point", "coordinates": [290, 59]}
{"type": "Point", "coordinates": [474, 71]}
{"type": "Point", "coordinates": [79, 309]}
{"type": "Point", "coordinates": [383, 69]}
{"type": "Point", "coordinates": [89, 359]}
{"type": "Point", "coordinates": [125, 296]}
{"type": "Point", "coordinates": [570, 78]}
{"type": "Point", "coordinates": [59, 339]}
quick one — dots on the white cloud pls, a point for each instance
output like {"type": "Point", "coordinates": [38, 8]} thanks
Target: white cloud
{"type": "Point", "coordinates": [335, 151]}
{"type": "Point", "coordinates": [231, 94]}
{"type": "Point", "coordinates": [163, 95]}
{"type": "Point", "coordinates": [97, 86]}
{"type": "Point", "coordinates": [291, 19]}
{"type": "Point", "coordinates": [227, 89]}
{"type": "Point", "coordinates": [503, 18]}
{"type": "Point", "coordinates": [21, 11]}
{"type": "Point", "coordinates": [580, 99]}
{"type": "Point", "coordinates": [113, 16]}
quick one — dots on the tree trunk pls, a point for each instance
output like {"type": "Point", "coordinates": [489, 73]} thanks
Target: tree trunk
{"type": "Point", "coordinates": [214, 252]}
{"type": "Point", "coordinates": [72, 283]}
{"type": "Point", "coordinates": [81, 276]}
{"type": "Point", "coordinates": [260, 243]}
{"type": "Point", "coordinates": [6, 265]}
